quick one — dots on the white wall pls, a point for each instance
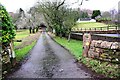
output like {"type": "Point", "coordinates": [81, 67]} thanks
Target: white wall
{"type": "Point", "coordinates": [92, 20]}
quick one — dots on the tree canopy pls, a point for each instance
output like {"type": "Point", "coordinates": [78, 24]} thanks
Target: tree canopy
{"type": "Point", "coordinates": [106, 14]}
{"type": "Point", "coordinates": [58, 16]}
{"type": "Point", "coordinates": [95, 13]}
{"type": "Point", "coordinates": [84, 14]}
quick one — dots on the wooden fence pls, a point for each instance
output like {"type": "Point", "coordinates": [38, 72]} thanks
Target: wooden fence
{"type": "Point", "coordinates": [107, 28]}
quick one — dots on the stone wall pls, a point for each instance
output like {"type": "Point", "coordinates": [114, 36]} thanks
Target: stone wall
{"type": "Point", "coordinates": [101, 49]}
{"type": "Point", "coordinates": [8, 58]}
{"type": "Point", "coordinates": [104, 50]}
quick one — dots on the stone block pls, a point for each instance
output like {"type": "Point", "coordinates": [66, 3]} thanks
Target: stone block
{"type": "Point", "coordinates": [5, 59]}
{"type": "Point", "coordinates": [93, 43]}
{"type": "Point", "coordinates": [96, 55]}
{"type": "Point", "coordinates": [99, 50]}
{"type": "Point", "coordinates": [109, 45]}
{"type": "Point", "coordinates": [93, 48]}
{"type": "Point", "coordinates": [98, 43]}
{"type": "Point", "coordinates": [103, 44]}
{"type": "Point", "coordinates": [115, 45]}
{"type": "Point", "coordinates": [106, 44]}
{"type": "Point", "coordinates": [91, 53]}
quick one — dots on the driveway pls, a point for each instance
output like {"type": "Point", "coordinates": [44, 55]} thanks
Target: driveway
{"type": "Point", "coordinates": [49, 60]}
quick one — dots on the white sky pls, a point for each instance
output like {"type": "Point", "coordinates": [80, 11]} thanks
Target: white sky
{"type": "Point", "coordinates": [103, 5]}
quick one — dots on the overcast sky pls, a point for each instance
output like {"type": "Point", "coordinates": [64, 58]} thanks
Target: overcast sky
{"type": "Point", "coordinates": [103, 5]}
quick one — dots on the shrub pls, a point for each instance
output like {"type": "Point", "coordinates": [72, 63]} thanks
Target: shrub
{"type": "Point", "coordinates": [7, 26]}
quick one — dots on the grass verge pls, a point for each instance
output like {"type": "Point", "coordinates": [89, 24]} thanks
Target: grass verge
{"type": "Point", "coordinates": [75, 47]}
{"type": "Point", "coordinates": [106, 68]}
{"type": "Point", "coordinates": [20, 53]}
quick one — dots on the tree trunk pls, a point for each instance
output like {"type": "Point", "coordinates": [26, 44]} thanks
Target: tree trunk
{"type": "Point", "coordinates": [69, 37]}
{"type": "Point", "coordinates": [60, 34]}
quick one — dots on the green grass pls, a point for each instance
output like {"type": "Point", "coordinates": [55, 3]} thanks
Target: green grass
{"type": "Point", "coordinates": [20, 53]}
{"type": "Point", "coordinates": [74, 46]}
{"type": "Point", "coordinates": [106, 68]}
{"type": "Point", "coordinates": [91, 25]}
{"type": "Point", "coordinates": [17, 43]}
{"type": "Point", "coordinates": [20, 34]}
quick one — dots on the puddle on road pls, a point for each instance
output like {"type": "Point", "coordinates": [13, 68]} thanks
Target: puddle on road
{"type": "Point", "coordinates": [50, 61]}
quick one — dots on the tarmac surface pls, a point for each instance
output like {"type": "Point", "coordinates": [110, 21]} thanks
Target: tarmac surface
{"type": "Point", "coordinates": [49, 60]}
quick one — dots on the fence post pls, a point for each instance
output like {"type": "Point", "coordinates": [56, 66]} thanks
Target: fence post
{"type": "Point", "coordinates": [81, 29]}
{"type": "Point", "coordinates": [95, 29]}
{"type": "Point", "coordinates": [116, 27]}
{"type": "Point", "coordinates": [90, 29]}
{"type": "Point", "coordinates": [107, 28]}
{"type": "Point", "coordinates": [101, 28]}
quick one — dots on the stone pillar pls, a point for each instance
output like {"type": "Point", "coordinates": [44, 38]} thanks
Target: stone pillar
{"type": "Point", "coordinates": [8, 58]}
{"type": "Point", "coordinates": [86, 43]}
{"type": "Point", "coordinates": [13, 57]}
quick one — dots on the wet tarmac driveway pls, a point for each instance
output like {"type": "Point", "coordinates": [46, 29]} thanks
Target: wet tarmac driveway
{"type": "Point", "coordinates": [49, 60]}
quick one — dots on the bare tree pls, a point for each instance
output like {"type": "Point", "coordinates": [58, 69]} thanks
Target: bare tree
{"type": "Point", "coordinates": [106, 14]}
{"type": "Point", "coordinates": [58, 16]}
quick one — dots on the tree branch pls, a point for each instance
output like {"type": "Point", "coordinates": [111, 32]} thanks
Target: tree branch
{"type": "Point", "coordinates": [60, 4]}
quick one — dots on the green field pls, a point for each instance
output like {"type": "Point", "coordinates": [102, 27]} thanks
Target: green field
{"type": "Point", "coordinates": [20, 34]}
{"type": "Point", "coordinates": [74, 46]}
{"type": "Point", "coordinates": [91, 25]}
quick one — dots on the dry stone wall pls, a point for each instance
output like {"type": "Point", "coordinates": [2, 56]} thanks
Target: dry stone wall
{"type": "Point", "coordinates": [103, 50]}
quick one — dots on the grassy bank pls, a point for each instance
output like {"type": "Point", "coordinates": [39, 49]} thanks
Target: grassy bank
{"type": "Point", "coordinates": [108, 69]}
{"type": "Point", "coordinates": [20, 53]}
{"type": "Point", "coordinates": [28, 42]}
{"type": "Point", "coordinates": [75, 47]}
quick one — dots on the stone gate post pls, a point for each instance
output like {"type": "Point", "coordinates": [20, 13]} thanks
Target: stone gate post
{"type": "Point", "coordinates": [86, 43]}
